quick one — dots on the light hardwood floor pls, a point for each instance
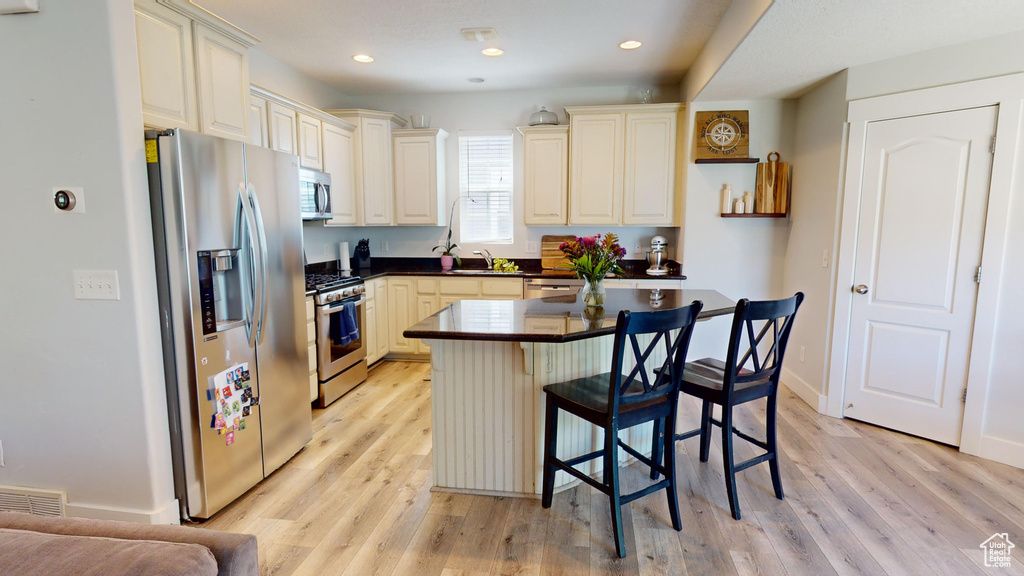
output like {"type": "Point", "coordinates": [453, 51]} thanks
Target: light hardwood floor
{"type": "Point", "coordinates": [859, 500]}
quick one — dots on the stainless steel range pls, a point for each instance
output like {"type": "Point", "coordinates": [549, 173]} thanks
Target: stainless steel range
{"type": "Point", "coordinates": [340, 324]}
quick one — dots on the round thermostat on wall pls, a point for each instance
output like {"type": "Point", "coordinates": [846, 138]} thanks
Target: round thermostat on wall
{"type": "Point", "coordinates": [64, 200]}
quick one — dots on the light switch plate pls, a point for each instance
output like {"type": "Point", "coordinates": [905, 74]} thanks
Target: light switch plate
{"type": "Point", "coordinates": [533, 247]}
{"type": "Point", "coordinates": [96, 285]}
{"type": "Point", "coordinates": [18, 6]}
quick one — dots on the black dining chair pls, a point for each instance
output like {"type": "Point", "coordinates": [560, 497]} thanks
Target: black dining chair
{"type": "Point", "coordinates": [615, 401]}
{"type": "Point", "coordinates": [763, 328]}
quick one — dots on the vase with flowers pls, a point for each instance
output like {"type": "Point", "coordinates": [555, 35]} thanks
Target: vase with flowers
{"type": "Point", "coordinates": [592, 257]}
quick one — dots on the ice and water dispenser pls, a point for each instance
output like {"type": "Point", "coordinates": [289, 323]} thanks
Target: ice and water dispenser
{"type": "Point", "coordinates": [220, 290]}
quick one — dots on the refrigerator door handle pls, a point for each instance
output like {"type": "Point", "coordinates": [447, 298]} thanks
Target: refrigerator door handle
{"type": "Point", "coordinates": [249, 224]}
{"type": "Point", "coordinates": [261, 234]}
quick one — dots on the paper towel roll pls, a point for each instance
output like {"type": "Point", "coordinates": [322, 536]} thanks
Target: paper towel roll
{"type": "Point", "coordinates": [343, 257]}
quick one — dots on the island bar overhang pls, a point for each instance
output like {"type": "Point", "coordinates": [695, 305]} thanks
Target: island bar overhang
{"type": "Point", "coordinates": [490, 361]}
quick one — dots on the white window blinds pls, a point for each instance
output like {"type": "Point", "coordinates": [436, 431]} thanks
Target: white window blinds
{"type": "Point", "coordinates": [485, 177]}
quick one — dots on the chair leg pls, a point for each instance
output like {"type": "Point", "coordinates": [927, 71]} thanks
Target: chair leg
{"type": "Point", "coordinates": [727, 458]}
{"type": "Point", "coordinates": [773, 449]}
{"type": "Point", "coordinates": [670, 469]}
{"type": "Point", "coordinates": [611, 474]}
{"type": "Point", "coordinates": [657, 439]}
{"type": "Point", "coordinates": [550, 441]}
{"type": "Point", "coordinates": [705, 431]}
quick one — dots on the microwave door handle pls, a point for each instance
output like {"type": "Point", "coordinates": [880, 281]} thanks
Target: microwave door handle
{"type": "Point", "coordinates": [261, 235]}
{"type": "Point", "coordinates": [316, 197]}
{"type": "Point", "coordinates": [327, 198]}
{"type": "Point", "coordinates": [246, 222]}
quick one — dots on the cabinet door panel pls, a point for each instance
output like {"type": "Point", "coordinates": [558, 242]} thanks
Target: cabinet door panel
{"type": "Point", "coordinates": [649, 192]}
{"type": "Point", "coordinates": [401, 314]}
{"type": "Point", "coordinates": [339, 162]}
{"type": "Point", "coordinates": [310, 152]}
{"type": "Point", "coordinates": [415, 180]}
{"type": "Point", "coordinates": [596, 158]}
{"type": "Point", "coordinates": [381, 295]}
{"type": "Point", "coordinates": [371, 331]}
{"type": "Point", "coordinates": [223, 84]}
{"type": "Point", "coordinates": [282, 128]}
{"type": "Point", "coordinates": [258, 122]}
{"type": "Point", "coordinates": [425, 306]}
{"type": "Point", "coordinates": [546, 178]}
{"type": "Point", "coordinates": [166, 68]}
{"type": "Point", "coordinates": [377, 179]}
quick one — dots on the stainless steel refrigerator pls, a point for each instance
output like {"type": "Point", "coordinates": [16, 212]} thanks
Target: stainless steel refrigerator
{"type": "Point", "coordinates": [228, 235]}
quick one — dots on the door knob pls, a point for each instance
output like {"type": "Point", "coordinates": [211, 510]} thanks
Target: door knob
{"type": "Point", "coordinates": [860, 289]}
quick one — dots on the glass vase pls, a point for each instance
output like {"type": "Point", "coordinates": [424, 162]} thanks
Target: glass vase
{"type": "Point", "coordinates": [593, 292]}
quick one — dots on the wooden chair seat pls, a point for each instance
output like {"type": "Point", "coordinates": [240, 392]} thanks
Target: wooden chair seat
{"type": "Point", "coordinates": [587, 398]}
{"type": "Point", "coordinates": [703, 378]}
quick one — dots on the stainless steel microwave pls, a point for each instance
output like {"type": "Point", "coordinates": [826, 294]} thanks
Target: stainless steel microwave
{"type": "Point", "coordinates": [315, 194]}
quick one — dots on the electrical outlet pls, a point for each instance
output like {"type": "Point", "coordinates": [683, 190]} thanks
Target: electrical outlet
{"type": "Point", "coordinates": [384, 246]}
{"type": "Point", "coordinates": [803, 353]}
{"type": "Point", "coordinates": [637, 248]}
{"type": "Point", "coordinates": [824, 258]}
{"type": "Point", "coordinates": [532, 247]}
{"type": "Point", "coordinates": [96, 285]}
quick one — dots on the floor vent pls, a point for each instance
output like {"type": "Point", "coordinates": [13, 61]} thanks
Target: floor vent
{"type": "Point", "coordinates": [30, 501]}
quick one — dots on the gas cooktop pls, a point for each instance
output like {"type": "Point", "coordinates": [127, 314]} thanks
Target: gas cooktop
{"type": "Point", "coordinates": [322, 282]}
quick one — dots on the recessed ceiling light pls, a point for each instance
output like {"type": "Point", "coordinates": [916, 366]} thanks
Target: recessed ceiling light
{"type": "Point", "coordinates": [492, 51]}
{"type": "Point", "coordinates": [630, 44]}
{"type": "Point", "coordinates": [364, 58]}
{"type": "Point", "coordinates": [475, 80]}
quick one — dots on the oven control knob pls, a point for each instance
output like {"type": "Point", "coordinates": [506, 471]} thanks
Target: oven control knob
{"type": "Point", "coordinates": [332, 297]}
{"type": "Point", "coordinates": [360, 289]}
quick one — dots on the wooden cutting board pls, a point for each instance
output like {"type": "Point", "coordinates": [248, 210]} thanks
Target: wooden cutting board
{"type": "Point", "coordinates": [551, 258]}
{"type": "Point", "coordinates": [772, 187]}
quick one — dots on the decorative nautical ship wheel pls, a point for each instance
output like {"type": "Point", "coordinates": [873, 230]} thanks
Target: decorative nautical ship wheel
{"type": "Point", "coordinates": [722, 134]}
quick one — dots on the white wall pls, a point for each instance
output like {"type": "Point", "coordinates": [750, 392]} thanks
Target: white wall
{"type": "Point", "coordinates": [278, 77]}
{"type": "Point", "coordinates": [818, 158]}
{"type": "Point", "coordinates": [82, 405]}
{"type": "Point", "coordinates": [741, 258]}
{"type": "Point", "coordinates": [984, 58]}
{"type": "Point", "coordinates": [495, 110]}
{"type": "Point", "coordinates": [736, 23]}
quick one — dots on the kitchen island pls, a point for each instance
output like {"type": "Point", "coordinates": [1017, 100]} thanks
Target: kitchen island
{"type": "Point", "coordinates": [490, 361]}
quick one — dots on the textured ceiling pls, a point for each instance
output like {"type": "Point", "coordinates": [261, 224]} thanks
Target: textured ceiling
{"type": "Point", "coordinates": [418, 48]}
{"type": "Point", "coordinates": [797, 43]}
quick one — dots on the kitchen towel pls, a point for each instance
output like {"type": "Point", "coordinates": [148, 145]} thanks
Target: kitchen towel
{"type": "Point", "coordinates": [344, 325]}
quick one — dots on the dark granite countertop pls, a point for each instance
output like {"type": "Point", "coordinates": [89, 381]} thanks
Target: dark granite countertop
{"type": "Point", "coordinates": [555, 319]}
{"type": "Point", "coordinates": [528, 268]}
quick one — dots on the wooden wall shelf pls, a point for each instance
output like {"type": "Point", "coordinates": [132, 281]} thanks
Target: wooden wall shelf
{"type": "Point", "coordinates": [726, 160]}
{"type": "Point", "coordinates": [756, 215]}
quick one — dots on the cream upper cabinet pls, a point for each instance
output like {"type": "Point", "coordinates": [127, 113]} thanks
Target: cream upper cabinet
{"type": "Point", "coordinates": [223, 70]}
{"type": "Point", "coordinates": [166, 67]}
{"type": "Point", "coordinates": [282, 128]}
{"type": "Point", "coordinates": [310, 143]}
{"type": "Point", "coordinates": [650, 173]}
{"type": "Point", "coordinates": [545, 174]}
{"type": "Point", "coordinates": [258, 122]}
{"type": "Point", "coordinates": [419, 177]}
{"type": "Point", "coordinates": [375, 186]}
{"type": "Point", "coordinates": [596, 152]}
{"type": "Point", "coordinates": [622, 164]}
{"type": "Point", "coordinates": [339, 162]}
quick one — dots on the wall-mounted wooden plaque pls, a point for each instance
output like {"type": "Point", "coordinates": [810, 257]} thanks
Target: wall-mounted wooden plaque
{"type": "Point", "coordinates": [722, 134]}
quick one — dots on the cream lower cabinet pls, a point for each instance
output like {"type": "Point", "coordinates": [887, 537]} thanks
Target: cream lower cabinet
{"type": "Point", "coordinates": [545, 174]}
{"type": "Point", "coordinates": [419, 177]}
{"type": "Point", "coordinates": [311, 347]}
{"type": "Point", "coordinates": [411, 299]}
{"type": "Point", "coordinates": [622, 164]}
{"type": "Point", "coordinates": [644, 283]}
{"type": "Point", "coordinates": [376, 328]}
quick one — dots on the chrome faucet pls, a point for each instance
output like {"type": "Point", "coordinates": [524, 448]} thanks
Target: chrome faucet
{"type": "Point", "coordinates": [486, 256]}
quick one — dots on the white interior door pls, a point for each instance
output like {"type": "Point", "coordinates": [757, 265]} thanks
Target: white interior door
{"type": "Point", "coordinates": [922, 217]}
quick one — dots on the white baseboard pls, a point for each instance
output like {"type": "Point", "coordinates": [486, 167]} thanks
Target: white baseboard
{"type": "Point", "coordinates": [1001, 450]}
{"type": "Point", "coordinates": [804, 391]}
{"type": "Point", "coordinates": [168, 514]}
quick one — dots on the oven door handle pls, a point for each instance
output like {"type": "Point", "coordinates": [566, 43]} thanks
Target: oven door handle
{"type": "Point", "coordinates": [328, 309]}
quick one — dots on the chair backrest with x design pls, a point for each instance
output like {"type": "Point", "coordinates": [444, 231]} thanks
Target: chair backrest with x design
{"type": "Point", "coordinates": [761, 330]}
{"type": "Point", "coordinates": [654, 384]}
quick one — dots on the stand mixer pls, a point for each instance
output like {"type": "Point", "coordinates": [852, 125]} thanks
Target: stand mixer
{"type": "Point", "coordinates": [657, 258]}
